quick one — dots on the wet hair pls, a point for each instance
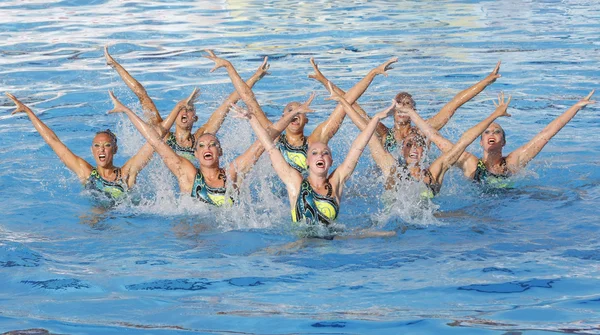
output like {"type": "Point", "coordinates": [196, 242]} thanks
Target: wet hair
{"type": "Point", "coordinates": [417, 137]}
{"type": "Point", "coordinates": [404, 97]}
{"type": "Point", "coordinates": [108, 132]}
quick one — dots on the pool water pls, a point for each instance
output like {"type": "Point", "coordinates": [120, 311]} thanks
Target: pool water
{"type": "Point", "coordinates": [522, 260]}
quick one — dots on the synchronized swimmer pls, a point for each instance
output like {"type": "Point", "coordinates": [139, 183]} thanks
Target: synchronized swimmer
{"type": "Point", "coordinates": [302, 162]}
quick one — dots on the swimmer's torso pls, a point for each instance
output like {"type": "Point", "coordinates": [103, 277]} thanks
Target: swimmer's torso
{"type": "Point", "coordinates": [210, 195]}
{"type": "Point", "coordinates": [114, 189]}
{"type": "Point", "coordinates": [485, 177]}
{"type": "Point", "coordinates": [185, 152]}
{"type": "Point", "coordinates": [313, 207]}
{"type": "Point", "coordinates": [294, 156]}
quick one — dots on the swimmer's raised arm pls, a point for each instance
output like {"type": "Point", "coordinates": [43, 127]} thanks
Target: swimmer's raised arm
{"type": "Point", "coordinates": [243, 163]}
{"type": "Point", "coordinates": [182, 168]}
{"type": "Point", "coordinates": [218, 116]}
{"type": "Point", "coordinates": [382, 158]}
{"type": "Point", "coordinates": [136, 163]}
{"type": "Point", "coordinates": [241, 87]}
{"type": "Point", "coordinates": [290, 177]}
{"type": "Point", "coordinates": [135, 86]}
{"type": "Point", "coordinates": [327, 129]}
{"type": "Point", "coordinates": [344, 171]}
{"type": "Point", "coordinates": [439, 167]}
{"type": "Point", "coordinates": [75, 163]}
{"type": "Point", "coordinates": [439, 120]}
{"type": "Point", "coordinates": [517, 159]}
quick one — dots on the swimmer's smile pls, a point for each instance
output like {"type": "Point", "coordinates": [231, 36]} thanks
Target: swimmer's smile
{"type": "Point", "coordinates": [102, 157]}
{"type": "Point", "coordinates": [184, 118]}
{"type": "Point", "coordinates": [320, 163]}
{"type": "Point", "coordinates": [208, 156]}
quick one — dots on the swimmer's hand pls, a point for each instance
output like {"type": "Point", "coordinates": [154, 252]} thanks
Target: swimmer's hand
{"type": "Point", "coordinates": [188, 103]}
{"type": "Point", "coordinates": [318, 75]}
{"type": "Point", "coordinates": [402, 108]}
{"type": "Point", "coordinates": [191, 100]}
{"type": "Point", "coordinates": [262, 69]}
{"type": "Point", "coordinates": [502, 105]}
{"type": "Point", "coordinates": [109, 60]}
{"type": "Point", "coordinates": [334, 95]}
{"type": "Point", "coordinates": [219, 62]}
{"type": "Point", "coordinates": [118, 107]}
{"type": "Point", "coordinates": [494, 75]}
{"type": "Point", "coordinates": [586, 101]}
{"type": "Point", "coordinates": [381, 69]}
{"type": "Point", "coordinates": [304, 107]}
{"type": "Point", "coordinates": [21, 108]}
{"type": "Point", "coordinates": [240, 112]}
{"type": "Point", "coordinates": [393, 108]}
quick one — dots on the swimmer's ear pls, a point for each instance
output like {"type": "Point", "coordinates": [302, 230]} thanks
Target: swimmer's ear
{"type": "Point", "coordinates": [115, 148]}
{"type": "Point", "coordinates": [195, 118]}
{"type": "Point", "coordinates": [220, 151]}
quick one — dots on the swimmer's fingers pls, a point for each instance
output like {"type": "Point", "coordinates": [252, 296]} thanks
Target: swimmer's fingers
{"type": "Point", "coordinates": [495, 75]}
{"type": "Point", "coordinates": [333, 94]}
{"type": "Point", "coordinates": [219, 62]}
{"type": "Point", "coordinates": [386, 66]}
{"type": "Point", "coordinates": [21, 108]}
{"type": "Point", "coordinates": [109, 60]}
{"type": "Point", "coordinates": [502, 105]}
{"type": "Point", "coordinates": [310, 99]}
{"type": "Point", "coordinates": [586, 101]}
{"type": "Point", "coordinates": [318, 75]}
{"type": "Point", "coordinates": [118, 107]}
{"type": "Point", "coordinates": [239, 112]}
{"type": "Point", "coordinates": [401, 108]}
{"type": "Point", "coordinates": [264, 67]}
{"type": "Point", "coordinates": [193, 97]}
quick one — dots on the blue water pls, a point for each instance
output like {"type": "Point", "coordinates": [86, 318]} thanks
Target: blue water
{"type": "Point", "coordinates": [521, 261]}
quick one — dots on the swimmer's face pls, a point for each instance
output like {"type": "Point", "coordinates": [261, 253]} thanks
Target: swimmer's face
{"type": "Point", "coordinates": [493, 138]}
{"type": "Point", "coordinates": [208, 150]}
{"type": "Point", "coordinates": [186, 118]}
{"type": "Point", "coordinates": [319, 158]}
{"type": "Point", "coordinates": [103, 149]}
{"type": "Point", "coordinates": [298, 123]}
{"type": "Point", "coordinates": [412, 148]}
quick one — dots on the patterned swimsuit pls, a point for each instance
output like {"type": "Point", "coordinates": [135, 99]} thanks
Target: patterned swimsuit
{"type": "Point", "coordinates": [115, 190]}
{"type": "Point", "coordinates": [313, 207]}
{"type": "Point", "coordinates": [210, 195]}
{"type": "Point", "coordinates": [294, 156]}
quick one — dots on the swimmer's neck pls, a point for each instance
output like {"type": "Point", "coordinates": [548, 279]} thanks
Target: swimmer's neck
{"type": "Point", "coordinates": [109, 173]}
{"type": "Point", "coordinates": [401, 130]}
{"type": "Point", "coordinates": [295, 138]}
{"type": "Point", "coordinates": [211, 172]}
{"type": "Point", "coordinates": [318, 181]}
{"type": "Point", "coordinates": [492, 158]}
{"type": "Point", "coordinates": [182, 135]}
